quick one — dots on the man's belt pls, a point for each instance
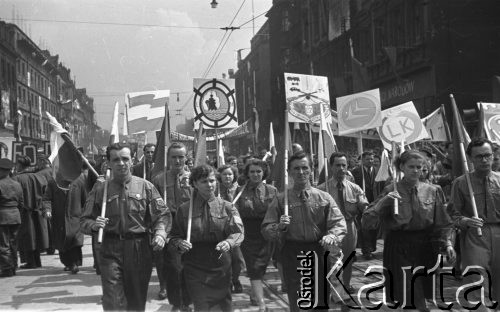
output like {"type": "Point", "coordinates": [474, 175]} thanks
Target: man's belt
{"type": "Point", "coordinates": [125, 236]}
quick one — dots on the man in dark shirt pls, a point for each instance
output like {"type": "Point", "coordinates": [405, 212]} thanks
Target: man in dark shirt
{"type": "Point", "coordinates": [364, 176]}
{"type": "Point", "coordinates": [136, 216]}
{"type": "Point", "coordinates": [168, 260]}
{"type": "Point", "coordinates": [11, 202]}
{"type": "Point", "coordinates": [144, 168]}
{"type": "Point", "coordinates": [479, 251]}
{"type": "Point", "coordinates": [314, 223]}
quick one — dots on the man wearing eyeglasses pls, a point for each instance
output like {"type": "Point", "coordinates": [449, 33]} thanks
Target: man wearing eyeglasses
{"type": "Point", "coordinates": [479, 250]}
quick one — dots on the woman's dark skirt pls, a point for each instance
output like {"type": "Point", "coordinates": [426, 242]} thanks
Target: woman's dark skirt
{"type": "Point", "coordinates": [408, 249]}
{"type": "Point", "coordinates": [207, 274]}
{"type": "Point", "coordinates": [256, 250]}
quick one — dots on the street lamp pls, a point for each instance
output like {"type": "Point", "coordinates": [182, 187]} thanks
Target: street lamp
{"type": "Point", "coordinates": [214, 4]}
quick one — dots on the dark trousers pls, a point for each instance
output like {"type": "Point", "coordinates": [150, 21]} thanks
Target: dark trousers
{"type": "Point", "coordinates": [8, 246]}
{"type": "Point", "coordinates": [290, 262]}
{"type": "Point", "coordinates": [369, 241]}
{"type": "Point", "coordinates": [33, 258]}
{"type": "Point", "coordinates": [126, 267]}
{"type": "Point", "coordinates": [96, 248]}
{"type": "Point", "coordinates": [71, 257]}
{"type": "Point", "coordinates": [169, 269]}
{"type": "Point", "coordinates": [237, 263]}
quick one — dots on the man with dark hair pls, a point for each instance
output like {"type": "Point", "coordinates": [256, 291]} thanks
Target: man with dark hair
{"type": "Point", "coordinates": [136, 219]}
{"type": "Point", "coordinates": [232, 161]}
{"type": "Point", "coordinates": [479, 251]}
{"type": "Point", "coordinates": [364, 176]}
{"type": "Point", "coordinates": [314, 223]}
{"type": "Point", "coordinates": [146, 165]}
{"type": "Point", "coordinates": [168, 261]}
{"type": "Point", "coordinates": [11, 202]}
{"type": "Point", "coordinates": [352, 202]}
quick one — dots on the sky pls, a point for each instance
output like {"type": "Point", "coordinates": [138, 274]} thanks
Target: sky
{"type": "Point", "coordinates": [170, 43]}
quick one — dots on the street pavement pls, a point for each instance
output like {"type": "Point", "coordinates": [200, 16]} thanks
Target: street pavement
{"type": "Point", "coordinates": [51, 289]}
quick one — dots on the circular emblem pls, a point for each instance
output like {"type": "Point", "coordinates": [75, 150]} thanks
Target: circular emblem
{"type": "Point", "coordinates": [214, 104]}
{"type": "Point", "coordinates": [358, 112]}
{"type": "Point", "coordinates": [494, 124]}
{"type": "Point", "coordinates": [404, 123]}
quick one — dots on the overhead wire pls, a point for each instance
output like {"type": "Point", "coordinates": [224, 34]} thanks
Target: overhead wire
{"type": "Point", "coordinates": [217, 52]}
{"type": "Point", "coordinates": [110, 23]}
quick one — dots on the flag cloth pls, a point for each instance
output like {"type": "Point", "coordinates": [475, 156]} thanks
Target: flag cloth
{"type": "Point", "coordinates": [146, 110]}
{"type": "Point", "coordinates": [220, 160]}
{"type": "Point", "coordinates": [459, 132]}
{"type": "Point", "coordinates": [272, 145]}
{"type": "Point", "coordinates": [66, 162]}
{"type": "Point", "coordinates": [436, 126]}
{"type": "Point", "coordinates": [201, 147]}
{"type": "Point", "coordinates": [162, 143]}
{"type": "Point", "coordinates": [384, 172]}
{"type": "Point", "coordinates": [115, 136]}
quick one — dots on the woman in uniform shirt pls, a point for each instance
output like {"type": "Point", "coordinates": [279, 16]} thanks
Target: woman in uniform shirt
{"type": "Point", "coordinates": [252, 206]}
{"type": "Point", "coordinates": [415, 235]}
{"type": "Point", "coordinates": [227, 178]}
{"type": "Point", "coordinates": [216, 229]}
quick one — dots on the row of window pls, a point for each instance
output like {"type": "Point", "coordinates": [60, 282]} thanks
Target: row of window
{"type": "Point", "coordinates": [35, 80]}
{"type": "Point", "coordinates": [25, 96]}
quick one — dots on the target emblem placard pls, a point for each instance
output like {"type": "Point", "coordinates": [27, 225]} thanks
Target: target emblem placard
{"type": "Point", "coordinates": [214, 103]}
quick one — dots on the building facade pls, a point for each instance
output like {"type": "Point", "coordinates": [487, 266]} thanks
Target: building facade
{"type": "Point", "coordinates": [32, 82]}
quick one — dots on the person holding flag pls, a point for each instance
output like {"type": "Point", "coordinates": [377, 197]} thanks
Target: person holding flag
{"type": "Point", "coordinates": [205, 230]}
{"type": "Point", "coordinates": [480, 251]}
{"type": "Point", "coordinates": [136, 218]}
{"type": "Point", "coordinates": [168, 261]}
{"type": "Point", "coordinates": [144, 168]}
{"type": "Point", "coordinates": [313, 223]}
{"type": "Point", "coordinates": [415, 235]}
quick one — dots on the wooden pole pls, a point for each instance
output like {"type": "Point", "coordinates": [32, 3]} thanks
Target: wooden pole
{"type": "Point", "coordinates": [311, 146]}
{"type": "Point", "coordinates": [190, 217]}
{"type": "Point", "coordinates": [165, 151]}
{"type": "Point", "coordinates": [285, 155]}
{"type": "Point", "coordinates": [394, 177]}
{"type": "Point", "coordinates": [104, 202]}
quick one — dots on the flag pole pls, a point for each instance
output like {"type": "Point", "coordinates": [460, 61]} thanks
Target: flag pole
{"type": "Point", "coordinates": [394, 177]}
{"type": "Point", "coordinates": [285, 155]}
{"type": "Point", "coordinates": [104, 201]}
{"type": "Point", "coordinates": [360, 151]}
{"type": "Point", "coordinates": [464, 159]}
{"type": "Point", "coordinates": [311, 149]}
{"type": "Point", "coordinates": [190, 217]}
{"type": "Point", "coordinates": [165, 151]}
{"type": "Point", "coordinates": [144, 156]}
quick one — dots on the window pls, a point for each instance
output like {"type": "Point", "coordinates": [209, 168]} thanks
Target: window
{"type": "Point", "coordinates": [285, 21]}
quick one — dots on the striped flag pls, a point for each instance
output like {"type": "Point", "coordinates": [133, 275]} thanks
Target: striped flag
{"type": "Point", "coordinates": [146, 110]}
{"type": "Point", "coordinates": [66, 162]}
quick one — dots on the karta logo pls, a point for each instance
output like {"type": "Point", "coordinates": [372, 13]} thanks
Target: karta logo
{"type": "Point", "coordinates": [365, 297]}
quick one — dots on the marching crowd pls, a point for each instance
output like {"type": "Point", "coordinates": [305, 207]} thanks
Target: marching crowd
{"type": "Point", "coordinates": [202, 226]}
